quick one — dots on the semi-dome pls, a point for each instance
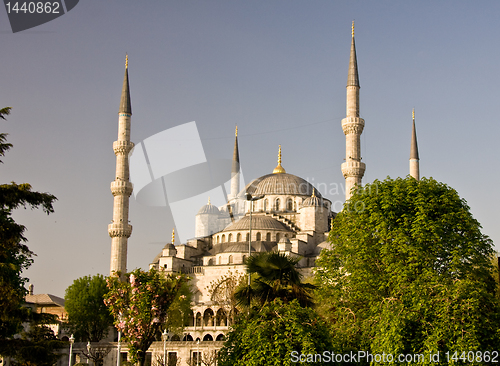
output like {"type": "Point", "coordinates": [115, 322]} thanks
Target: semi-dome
{"type": "Point", "coordinates": [259, 222]}
{"type": "Point", "coordinates": [283, 183]}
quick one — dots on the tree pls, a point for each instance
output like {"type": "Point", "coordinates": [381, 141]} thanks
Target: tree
{"type": "Point", "coordinates": [88, 317]}
{"type": "Point", "coordinates": [409, 273]}
{"type": "Point", "coordinates": [15, 255]}
{"type": "Point", "coordinates": [38, 346]}
{"type": "Point", "coordinates": [141, 305]}
{"type": "Point", "coordinates": [274, 275]}
{"type": "Point", "coordinates": [276, 334]}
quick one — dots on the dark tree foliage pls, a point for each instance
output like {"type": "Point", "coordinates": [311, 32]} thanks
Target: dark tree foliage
{"type": "Point", "coordinates": [274, 335]}
{"type": "Point", "coordinates": [88, 317]}
{"type": "Point", "coordinates": [409, 273]}
{"type": "Point", "coordinates": [15, 255]}
{"type": "Point", "coordinates": [38, 346]}
{"type": "Point", "coordinates": [274, 275]}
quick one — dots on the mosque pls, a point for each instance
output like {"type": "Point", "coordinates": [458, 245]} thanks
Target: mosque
{"type": "Point", "coordinates": [276, 212]}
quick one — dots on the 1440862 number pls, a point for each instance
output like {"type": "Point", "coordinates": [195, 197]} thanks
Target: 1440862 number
{"type": "Point", "coordinates": [33, 7]}
{"type": "Point", "coordinates": [472, 356]}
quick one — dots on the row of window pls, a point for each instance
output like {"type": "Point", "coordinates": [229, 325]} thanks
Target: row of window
{"type": "Point", "coordinates": [258, 237]}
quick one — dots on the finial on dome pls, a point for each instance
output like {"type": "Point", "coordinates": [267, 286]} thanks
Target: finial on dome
{"type": "Point", "coordinates": [236, 132]}
{"type": "Point", "coordinates": [126, 61]}
{"type": "Point", "coordinates": [173, 236]}
{"type": "Point", "coordinates": [352, 28]}
{"type": "Point", "coordinates": [413, 114]}
{"type": "Point", "coordinates": [209, 200]}
{"type": "Point", "coordinates": [279, 168]}
{"type": "Point", "coordinates": [314, 192]}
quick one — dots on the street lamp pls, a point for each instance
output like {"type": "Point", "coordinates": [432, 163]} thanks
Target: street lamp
{"type": "Point", "coordinates": [164, 336]}
{"type": "Point", "coordinates": [88, 350]}
{"type": "Point", "coordinates": [71, 341]}
{"type": "Point", "coordinates": [118, 347]}
{"type": "Point", "coordinates": [251, 199]}
{"type": "Point", "coordinates": [198, 355]}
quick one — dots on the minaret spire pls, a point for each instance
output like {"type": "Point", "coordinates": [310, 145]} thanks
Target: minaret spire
{"type": "Point", "coordinates": [120, 230]}
{"type": "Point", "coordinates": [279, 169]}
{"type": "Point", "coordinates": [353, 169]}
{"type": "Point", "coordinates": [235, 170]}
{"type": "Point", "coordinates": [414, 160]}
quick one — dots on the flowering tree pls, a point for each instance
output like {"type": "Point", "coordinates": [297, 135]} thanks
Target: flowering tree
{"type": "Point", "coordinates": [141, 305]}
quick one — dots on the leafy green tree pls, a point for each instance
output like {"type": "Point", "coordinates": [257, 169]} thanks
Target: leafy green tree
{"type": "Point", "coordinates": [274, 275]}
{"type": "Point", "coordinates": [140, 306]}
{"type": "Point", "coordinates": [88, 317]}
{"type": "Point", "coordinates": [410, 273]}
{"type": "Point", "coordinates": [15, 255]}
{"type": "Point", "coordinates": [38, 346]}
{"type": "Point", "coordinates": [276, 334]}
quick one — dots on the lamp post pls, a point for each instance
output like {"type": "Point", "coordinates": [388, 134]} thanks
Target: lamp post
{"type": "Point", "coordinates": [88, 350]}
{"type": "Point", "coordinates": [164, 336]}
{"type": "Point", "coordinates": [118, 346]}
{"type": "Point", "coordinates": [251, 199]}
{"type": "Point", "coordinates": [71, 341]}
{"type": "Point", "coordinates": [198, 354]}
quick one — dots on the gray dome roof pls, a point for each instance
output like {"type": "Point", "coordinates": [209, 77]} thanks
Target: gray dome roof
{"type": "Point", "coordinates": [208, 209]}
{"type": "Point", "coordinates": [282, 183]}
{"type": "Point", "coordinates": [259, 222]}
{"type": "Point", "coordinates": [312, 201]}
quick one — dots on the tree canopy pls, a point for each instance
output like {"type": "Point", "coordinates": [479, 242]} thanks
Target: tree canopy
{"type": "Point", "coordinates": [409, 272]}
{"type": "Point", "coordinates": [141, 304]}
{"type": "Point", "coordinates": [276, 334]}
{"type": "Point", "coordinates": [274, 275]}
{"type": "Point", "coordinates": [88, 317]}
{"type": "Point", "coordinates": [15, 255]}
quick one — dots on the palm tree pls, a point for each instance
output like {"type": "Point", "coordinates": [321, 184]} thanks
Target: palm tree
{"type": "Point", "coordinates": [274, 275]}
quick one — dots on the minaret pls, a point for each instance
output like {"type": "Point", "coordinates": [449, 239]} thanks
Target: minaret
{"type": "Point", "coordinates": [119, 230]}
{"type": "Point", "coordinates": [353, 169]}
{"type": "Point", "coordinates": [235, 170]}
{"type": "Point", "coordinates": [414, 160]}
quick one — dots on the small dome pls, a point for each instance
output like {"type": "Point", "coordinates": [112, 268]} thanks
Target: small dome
{"type": "Point", "coordinates": [312, 201]}
{"type": "Point", "coordinates": [208, 209]}
{"type": "Point", "coordinates": [259, 222]}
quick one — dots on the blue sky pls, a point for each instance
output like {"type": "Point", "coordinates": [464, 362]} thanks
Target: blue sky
{"type": "Point", "coordinates": [277, 69]}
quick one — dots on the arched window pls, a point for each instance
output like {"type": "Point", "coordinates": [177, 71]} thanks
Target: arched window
{"type": "Point", "coordinates": [278, 237]}
{"type": "Point", "coordinates": [258, 237]}
{"type": "Point", "coordinates": [244, 258]}
{"type": "Point", "coordinates": [218, 239]}
{"type": "Point", "coordinates": [230, 238]}
{"type": "Point", "coordinates": [277, 204]}
{"type": "Point", "coordinates": [248, 236]}
{"type": "Point", "coordinates": [230, 259]}
{"type": "Point", "coordinates": [268, 237]}
{"type": "Point", "coordinates": [266, 204]}
{"type": "Point", "coordinates": [289, 204]}
{"type": "Point", "coordinates": [223, 238]}
{"type": "Point", "coordinates": [210, 262]}
{"type": "Point", "coordinates": [238, 237]}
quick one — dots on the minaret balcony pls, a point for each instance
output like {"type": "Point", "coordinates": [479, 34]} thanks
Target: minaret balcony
{"type": "Point", "coordinates": [353, 168]}
{"type": "Point", "coordinates": [122, 147]}
{"type": "Point", "coordinates": [121, 187]}
{"type": "Point", "coordinates": [353, 125]}
{"type": "Point", "coordinates": [119, 230]}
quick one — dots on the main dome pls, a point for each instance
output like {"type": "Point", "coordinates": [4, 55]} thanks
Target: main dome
{"type": "Point", "coordinates": [283, 183]}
